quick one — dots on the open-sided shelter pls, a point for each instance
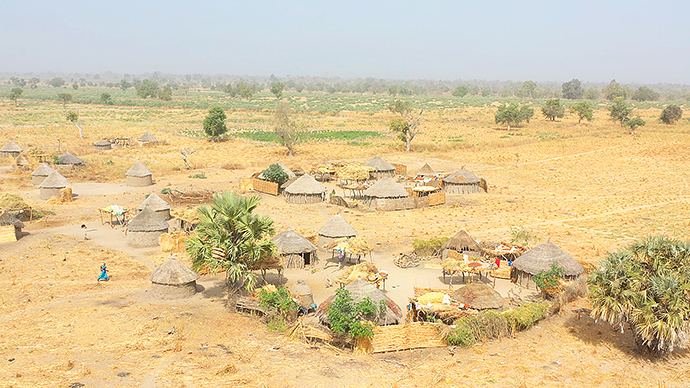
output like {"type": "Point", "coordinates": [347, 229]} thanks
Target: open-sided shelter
{"type": "Point", "coordinates": [148, 138]}
{"type": "Point", "coordinates": [68, 159]}
{"type": "Point", "coordinates": [103, 144]}
{"type": "Point", "coordinates": [462, 242]}
{"type": "Point", "coordinates": [360, 289]}
{"type": "Point", "coordinates": [381, 168]}
{"type": "Point", "coordinates": [40, 174]}
{"type": "Point", "coordinates": [305, 189]}
{"type": "Point", "coordinates": [173, 280]}
{"type": "Point", "coordinates": [295, 251]}
{"type": "Point", "coordinates": [540, 259]}
{"type": "Point", "coordinates": [10, 150]}
{"type": "Point", "coordinates": [334, 229]}
{"type": "Point", "coordinates": [145, 229]}
{"type": "Point", "coordinates": [51, 186]}
{"type": "Point", "coordinates": [139, 175]}
{"type": "Point", "coordinates": [158, 205]}
{"type": "Point", "coordinates": [462, 182]}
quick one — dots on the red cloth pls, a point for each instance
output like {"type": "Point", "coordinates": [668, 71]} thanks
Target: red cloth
{"type": "Point", "coordinates": [498, 263]}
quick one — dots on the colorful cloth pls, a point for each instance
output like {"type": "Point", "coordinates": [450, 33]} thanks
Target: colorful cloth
{"type": "Point", "coordinates": [104, 273]}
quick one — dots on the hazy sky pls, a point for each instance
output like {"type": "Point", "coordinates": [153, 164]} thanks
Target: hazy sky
{"type": "Point", "coordinates": [631, 41]}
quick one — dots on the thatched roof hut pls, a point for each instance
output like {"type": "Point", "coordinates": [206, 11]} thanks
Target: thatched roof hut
{"type": "Point", "coordinates": [173, 280]}
{"type": "Point", "coordinates": [10, 226]}
{"type": "Point", "coordinates": [426, 171]}
{"type": "Point", "coordinates": [304, 293]}
{"type": "Point", "coordinates": [10, 150]}
{"type": "Point", "coordinates": [103, 144]}
{"type": "Point", "coordinates": [158, 205]}
{"type": "Point", "coordinates": [462, 182]}
{"type": "Point", "coordinates": [478, 296]}
{"type": "Point", "coordinates": [334, 229]}
{"type": "Point", "coordinates": [51, 186]}
{"type": "Point", "coordinates": [462, 242]}
{"type": "Point", "coordinates": [359, 289]}
{"type": "Point", "coordinates": [145, 229]}
{"type": "Point", "coordinates": [139, 175]}
{"type": "Point", "coordinates": [381, 168]}
{"type": "Point", "coordinates": [540, 259]}
{"type": "Point", "coordinates": [148, 138]}
{"type": "Point", "coordinates": [305, 190]}
{"type": "Point", "coordinates": [295, 250]}
{"type": "Point", "coordinates": [285, 169]}
{"type": "Point", "coordinates": [386, 188]}
{"type": "Point", "coordinates": [40, 174]}
{"type": "Point", "coordinates": [68, 159]}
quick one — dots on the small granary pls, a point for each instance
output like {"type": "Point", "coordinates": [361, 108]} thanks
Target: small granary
{"type": "Point", "coordinates": [10, 150]}
{"type": "Point", "coordinates": [172, 280]}
{"type": "Point", "coordinates": [478, 296]}
{"type": "Point", "coordinates": [303, 292]}
{"type": "Point", "coordinates": [103, 145]}
{"type": "Point", "coordinates": [335, 229]}
{"type": "Point", "coordinates": [387, 194]}
{"type": "Point", "coordinates": [462, 242]}
{"type": "Point", "coordinates": [158, 205]}
{"type": "Point", "coordinates": [462, 182]}
{"type": "Point", "coordinates": [295, 251]}
{"type": "Point", "coordinates": [540, 259]}
{"type": "Point", "coordinates": [360, 289]}
{"type": "Point", "coordinates": [67, 159]}
{"type": "Point", "coordinates": [145, 229]}
{"type": "Point", "coordinates": [40, 174]}
{"type": "Point", "coordinates": [51, 186]}
{"type": "Point", "coordinates": [139, 175]}
{"type": "Point", "coordinates": [10, 226]}
{"type": "Point", "coordinates": [148, 138]}
{"type": "Point", "coordinates": [426, 172]}
{"type": "Point", "coordinates": [381, 168]}
{"type": "Point", "coordinates": [305, 190]}
{"type": "Point", "coordinates": [285, 169]}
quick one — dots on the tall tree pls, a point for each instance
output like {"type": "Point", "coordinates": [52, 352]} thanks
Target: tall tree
{"type": "Point", "coordinates": [214, 123]}
{"type": "Point", "coordinates": [513, 115]}
{"type": "Point", "coordinates": [75, 86]}
{"type": "Point", "coordinates": [528, 89]}
{"type": "Point", "coordinates": [583, 110]}
{"type": "Point", "coordinates": [572, 90]}
{"type": "Point", "coordinates": [147, 88]}
{"type": "Point", "coordinates": [124, 84]}
{"type": "Point", "coordinates": [671, 114]}
{"type": "Point", "coordinates": [592, 93]}
{"type": "Point", "coordinates": [552, 109]}
{"type": "Point", "coordinates": [615, 90]}
{"type": "Point", "coordinates": [620, 111]}
{"type": "Point", "coordinates": [56, 82]}
{"type": "Point", "coordinates": [14, 95]}
{"type": "Point", "coordinates": [64, 98]}
{"type": "Point", "coordinates": [277, 89]}
{"type": "Point", "coordinates": [244, 89]}
{"type": "Point", "coordinates": [645, 94]}
{"type": "Point", "coordinates": [165, 93]}
{"type": "Point", "coordinates": [408, 122]}
{"type": "Point", "coordinates": [106, 99]}
{"type": "Point", "coordinates": [73, 117]}
{"type": "Point", "coordinates": [285, 128]}
{"type": "Point", "coordinates": [461, 91]}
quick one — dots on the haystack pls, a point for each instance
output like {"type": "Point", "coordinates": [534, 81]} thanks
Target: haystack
{"type": "Point", "coordinates": [139, 175]}
{"type": "Point", "coordinates": [540, 259]}
{"type": "Point", "coordinates": [10, 150]}
{"type": "Point", "coordinates": [334, 229]}
{"type": "Point", "coordinates": [461, 242]}
{"type": "Point", "coordinates": [360, 289]}
{"type": "Point", "coordinates": [40, 174]}
{"type": "Point", "coordinates": [145, 229]}
{"type": "Point", "coordinates": [51, 186]}
{"type": "Point", "coordinates": [158, 205]}
{"type": "Point", "coordinates": [103, 144]}
{"type": "Point", "coordinates": [381, 168]}
{"type": "Point", "coordinates": [70, 160]}
{"type": "Point", "coordinates": [305, 190]}
{"type": "Point", "coordinates": [304, 293]}
{"type": "Point", "coordinates": [386, 188]}
{"type": "Point", "coordinates": [295, 250]}
{"type": "Point", "coordinates": [426, 171]}
{"type": "Point", "coordinates": [172, 280]}
{"type": "Point", "coordinates": [462, 182]}
{"type": "Point", "coordinates": [355, 172]}
{"type": "Point", "coordinates": [478, 296]}
{"type": "Point", "coordinates": [148, 138]}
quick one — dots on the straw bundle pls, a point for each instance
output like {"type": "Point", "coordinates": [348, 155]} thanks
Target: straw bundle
{"type": "Point", "coordinates": [366, 271]}
{"type": "Point", "coordinates": [431, 297]}
{"type": "Point", "coordinates": [173, 242]}
{"type": "Point", "coordinates": [13, 202]}
{"type": "Point", "coordinates": [355, 172]}
{"type": "Point", "coordinates": [65, 196]}
{"type": "Point", "coordinates": [415, 335]}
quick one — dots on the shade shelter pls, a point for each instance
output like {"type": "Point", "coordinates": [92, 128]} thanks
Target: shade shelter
{"type": "Point", "coordinates": [103, 144]}
{"type": "Point", "coordinates": [359, 289]}
{"type": "Point", "coordinates": [173, 280]}
{"type": "Point", "coordinates": [335, 229]}
{"type": "Point", "coordinates": [158, 205]}
{"type": "Point", "coordinates": [10, 150]}
{"type": "Point", "coordinates": [148, 138]}
{"type": "Point", "coordinates": [70, 160]}
{"type": "Point", "coordinates": [462, 182]}
{"type": "Point", "coordinates": [305, 189]}
{"type": "Point", "coordinates": [461, 242]}
{"type": "Point", "coordinates": [40, 174]}
{"type": "Point", "coordinates": [51, 186]}
{"type": "Point", "coordinates": [540, 259]}
{"type": "Point", "coordinates": [381, 168]}
{"type": "Point", "coordinates": [145, 229]}
{"type": "Point", "coordinates": [139, 175]}
{"type": "Point", "coordinates": [478, 296]}
{"type": "Point", "coordinates": [295, 251]}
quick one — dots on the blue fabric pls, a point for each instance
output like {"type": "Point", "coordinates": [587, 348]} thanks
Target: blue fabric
{"type": "Point", "coordinates": [104, 274]}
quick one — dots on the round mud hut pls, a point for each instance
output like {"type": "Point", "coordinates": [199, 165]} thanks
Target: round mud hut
{"type": "Point", "coordinates": [139, 175]}
{"type": "Point", "coordinates": [40, 174]}
{"type": "Point", "coordinates": [478, 296]}
{"type": "Point", "coordinates": [380, 167]}
{"type": "Point", "coordinates": [10, 150]}
{"type": "Point", "coordinates": [67, 159]}
{"type": "Point", "coordinates": [103, 145]}
{"type": "Point", "coordinates": [540, 259]}
{"type": "Point", "coordinates": [462, 242]}
{"type": "Point", "coordinates": [295, 251]}
{"type": "Point", "coordinates": [304, 293]}
{"type": "Point", "coordinates": [157, 204]}
{"type": "Point", "coordinates": [145, 229]}
{"type": "Point", "coordinates": [172, 280]}
{"type": "Point", "coordinates": [385, 188]}
{"type": "Point", "coordinates": [462, 182]}
{"type": "Point", "coordinates": [335, 229]}
{"type": "Point", "coordinates": [426, 172]}
{"type": "Point", "coordinates": [51, 186]}
{"type": "Point", "coordinates": [359, 289]}
{"type": "Point", "coordinates": [148, 138]}
{"type": "Point", "coordinates": [305, 189]}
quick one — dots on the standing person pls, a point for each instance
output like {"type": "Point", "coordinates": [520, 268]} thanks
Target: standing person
{"type": "Point", "coordinates": [104, 273]}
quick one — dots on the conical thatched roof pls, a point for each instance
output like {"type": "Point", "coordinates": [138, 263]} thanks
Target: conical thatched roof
{"type": "Point", "coordinates": [359, 289]}
{"type": "Point", "coordinates": [426, 170]}
{"type": "Point", "coordinates": [173, 273]}
{"type": "Point", "coordinates": [305, 184]}
{"type": "Point", "coordinates": [289, 242]}
{"type": "Point", "coordinates": [68, 158]}
{"type": "Point", "coordinates": [147, 137]}
{"type": "Point", "coordinates": [147, 221]}
{"type": "Point", "coordinates": [541, 257]}
{"type": "Point", "coordinates": [301, 288]}
{"type": "Point", "coordinates": [285, 169]}
{"type": "Point", "coordinates": [55, 181]}
{"type": "Point", "coordinates": [138, 170]}
{"type": "Point", "coordinates": [462, 241]}
{"type": "Point", "coordinates": [42, 170]}
{"type": "Point", "coordinates": [461, 176]}
{"type": "Point", "coordinates": [379, 164]}
{"type": "Point", "coordinates": [155, 202]}
{"type": "Point", "coordinates": [103, 142]}
{"type": "Point", "coordinates": [386, 188]}
{"type": "Point", "coordinates": [337, 227]}
{"type": "Point", "coordinates": [478, 296]}
{"type": "Point", "coordinates": [11, 147]}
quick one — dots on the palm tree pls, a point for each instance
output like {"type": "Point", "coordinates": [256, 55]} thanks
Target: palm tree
{"type": "Point", "coordinates": [646, 286]}
{"type": "Point", "coordinates": [230, 237]}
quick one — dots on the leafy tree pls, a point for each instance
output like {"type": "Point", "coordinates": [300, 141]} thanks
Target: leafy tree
{"type": "Point", "coordinates": [671, 114]}
{"type": "Point", "coordinates": [73, 117]}
{"type": "Point", "coordinates": [285, 128]}
{"type": "Point", "coordinates": [550, 279]}
{"type": "Point", "coordinates": [635, 123]}
{"type": "Point", "coordinates": [64, 98]}
{"type": "Point", "coordinates": [214, 123]}
{"type": "Point", "coordinates": [56, 82]}
{"type": "Point", "coordinates": [528, 89]}
{"type": "Point", "coordinates": [406, 125]}
{"type": "Point", "coordinates": [75, 86]}
{"type": "Point", "coordinates": [230, 237]}
{"type": "Point", "coordinates": [645, 286]}
{"type": "Point", "coordinates": [615, 90]}
{"type": "Point", "coordinates": [275, 173]}
{"type": "Point", "coordinates": [486, 92]}
{"type": "Point", "coordinates": [106, 99]}
{"type": "Point", "coordinates": [33, 82]}
{"type": "Point", "coordinates": [244, 89]}
{"type": "Point", "coordinates": [583, 110]}
{"type": "Point", "coordinates": [620, 110]}
{"type": "Point", "coordinates": [279, 301]}
{"type": "Point", "coordinates": [277, 89]}
{"type": "Point", "coordinates": [165, 93]}
{"type": "Point", "coordinates": [14, 95]}
{"type": "Point", "coordinates": [346, 316]}
{"type": "Point", "coordinates": [645, 94]}
{"type": "Point", "coordinates": [572, 90]}
{"type": "Point", "coordinates": [147, 88]}
{"type": "Point", "coordinates": [513, 115]}
{"type": "Point", "coordinates": [18, 82]}
{"type": "Point", "coordinates": [592, 93]}
{"type": "Point", "coordinates": [461, 91]}
{"type": "Point", "coordinates": [124, 84]}
{"type": "Point", "coordinates": [552, 109]}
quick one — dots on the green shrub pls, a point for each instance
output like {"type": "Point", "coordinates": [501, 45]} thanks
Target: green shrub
{"type": "Point", "coordinates": [347, 317]}
{"type": "Point", "coordinates": [428, 247]}
{"type": "Point", "coordinates": [200, 175]}
{"type": "Point", "coordinates": [279, 301]}
{"type": "Point", "coordinates": [551, 278]}
{"type": "Point", "coordinates": [274, 173]}
{"type": "Point", "coordinates": [525, 316]}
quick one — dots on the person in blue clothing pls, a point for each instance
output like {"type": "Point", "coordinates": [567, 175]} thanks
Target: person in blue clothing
{"type": "Point", "coordinates": [104, 273]}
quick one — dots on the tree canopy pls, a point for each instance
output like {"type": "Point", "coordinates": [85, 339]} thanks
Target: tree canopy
{"type": "Point", "coordinates": [583, 110]}
{"type": "Point", "coordinates": [56, 82]}
{"type": "Point", "coordinates": [165, 93]}
{"type": "Point", "coordinates": [277, 89]}
{"type": "Point", "coordinates": [244, 89]}
{"type": "Point", "coordinates": [513, 115]}
{"type": "Point", "coordinates": [406, 125]}
{"type": "Point", "coordinates": [634, 123]}
{"type": "Point", "coordinates": [106, 99]}
{"type": "Point", "coordinates": [552, 109]}
{"type": "Point", "coordinates": [620, 110]}
{"type": "Point", "coordinates": [461, 91]}
{"type": "Point", "coordinates": [645, 94]}
{"type": "Point", "coordinates": [14, 95]}
{"type": "Point", "coordinates": [64, 98]}
{"type": "Point", "coordinates": [285, 128]}
{"type": "Point", "coordinates": [615, 90]}
{"type": "Point", "coordinates": [147, 88]}
{"type": "Point", "coordinates": [572, 90]}
{"type": "Point", "coordinates": [73, 117]}
{"type": "Point", "coordinates": [275, 173]}
{"type": "Point", "coordinates": [214, 123]}
{"type": "Point", "coordinates": [671, 114]}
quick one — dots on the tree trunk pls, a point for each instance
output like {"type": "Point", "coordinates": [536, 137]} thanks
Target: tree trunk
{"type": "Point", "coordinates": [16, 102]}
{"type": "Point", "coordinates": [408, 140]}
{"type": "Point", "coordinates": [81, 135]}
{"type": "Point", "coordinates": [64, 104]}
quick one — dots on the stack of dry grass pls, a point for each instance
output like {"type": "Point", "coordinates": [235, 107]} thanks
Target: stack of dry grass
{"type": "Point", "coordinates": [354, 172]}
{"type": "Point", "coordinates": [65, 196]}
{"type": "Point", "coordinates": [415, 335]}
{"type": "Point", "coordinates": [179, 197]}
{"type": "Point", "coordinates": [13, 202]}
{"type": "Point", "coordinates": [172, 242]}
{"type": "Point", "coordinates": [366, 271]}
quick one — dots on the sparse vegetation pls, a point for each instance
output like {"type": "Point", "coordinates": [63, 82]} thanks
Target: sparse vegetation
{"type": "Point", "coordinates": [348, 317]}
{"type": "Point", "coordinates": [513, 115]}
{"type": "Point", "coordinates": [671, 114]}
{"type": "Point", "coordinates": [214, 123]}
{"type": "Point", "coordinates": [428, 247]}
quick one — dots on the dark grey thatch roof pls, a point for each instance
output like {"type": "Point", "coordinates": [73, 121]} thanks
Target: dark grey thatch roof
{"type": "Point", "coordinates": [359, 289]}
{"type": "Point", "coordinates": [138, 170]}
{"type": "Point", "coordinates": [103, 142]}
{"type": "Point", "coordinates": [285, 169]}
{"type": "Point", "coordinates": [289, 242]}
{"type": "Point", "coordinates": [11, 147]}
{"type": "Point", "coordinates": [155, 202]}
{"type": "Point", "coordinates": [305, 184]}
{"type": "Point", "coordinates": [426, 170]}
{"type": "Point", "coordinates": [461, 176]}
{"type": "Point", "coordinates": [478, 296]}
{"type": "Point", "coordinates": [9, 217]}
{"type": "Point", "coordinates": [147, 221]}
{"type": "Point", "coordinates": [386, 188]}
{"type": "Point", "coordinates": [379, 164]}
{"type": "Point", "coordinates": [68, 158]}
{"type": "Point", "coordinates": [173, 273]}
{"type": "Point", "coordinates": [147, 137]}
{"type": "Point", "coordinates": [42, 170]}
{"type": "Point", "coordinates": [55, 181]}
{"type": "Point", "coordinates": [541, 257]}
{"type": "Point", "coordinates": [462, 241]}
{"type": "Point", "coordinates": [337, 227]}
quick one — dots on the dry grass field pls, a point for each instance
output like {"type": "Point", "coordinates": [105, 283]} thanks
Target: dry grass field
{"type": "Point", "coordinates": [591, 188]}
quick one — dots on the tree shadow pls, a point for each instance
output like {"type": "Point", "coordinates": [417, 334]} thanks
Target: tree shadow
{"type": "Point", "coordinates": [217, 290]}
